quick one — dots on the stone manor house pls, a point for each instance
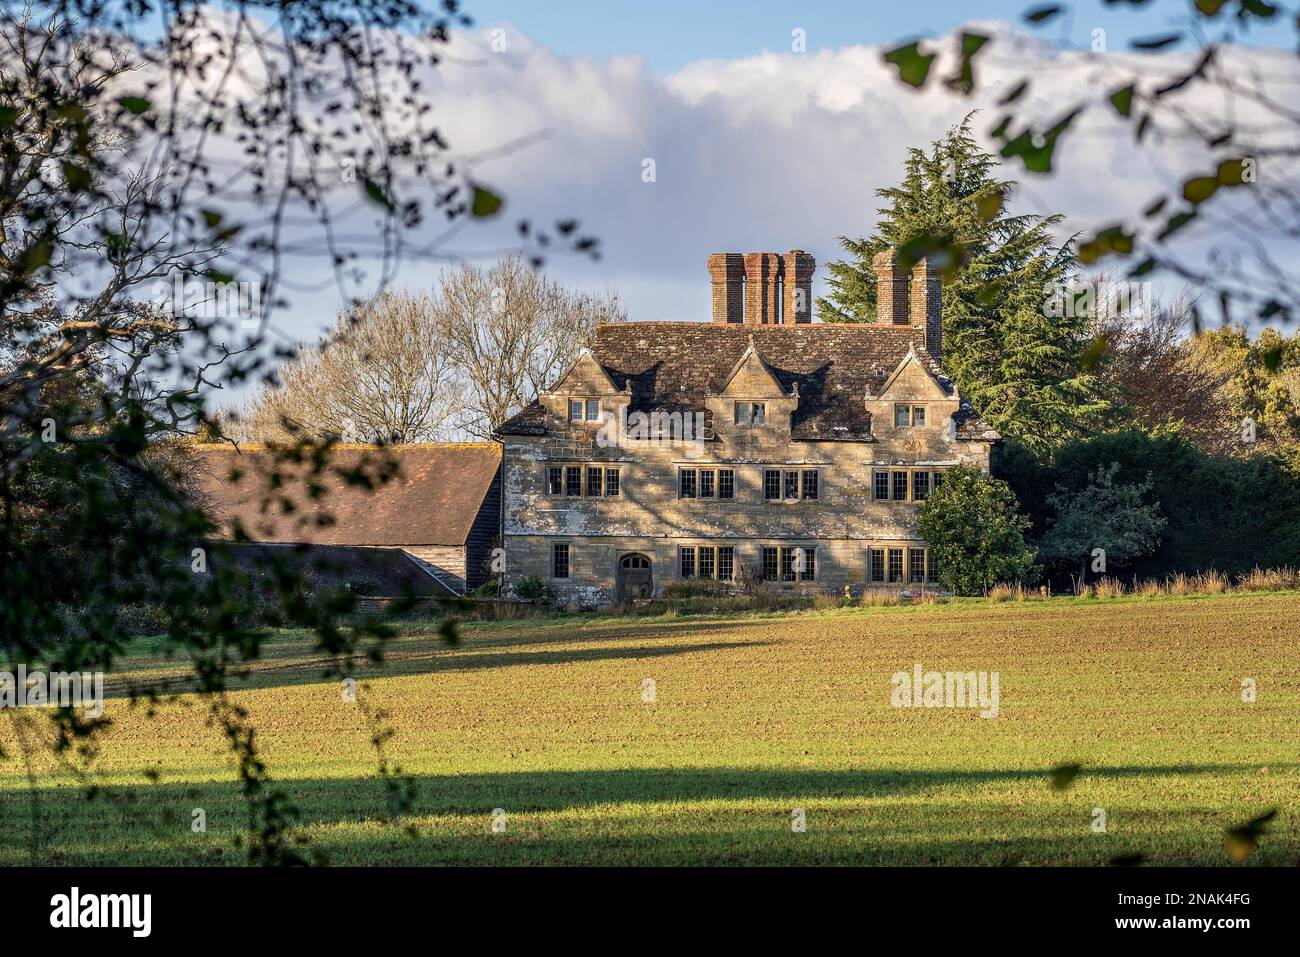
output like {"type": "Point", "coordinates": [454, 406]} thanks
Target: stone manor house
{"type": "Point", "coordinates": [757, 446]}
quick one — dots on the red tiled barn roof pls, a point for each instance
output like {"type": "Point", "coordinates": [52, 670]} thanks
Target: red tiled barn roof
{"type": "Point", "coordinates": [432, 497]}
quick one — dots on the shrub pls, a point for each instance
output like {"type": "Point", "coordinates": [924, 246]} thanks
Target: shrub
{"type": "Point", "coordinates": [533, 590]}
{"type": "Point", "coordinates": [975, 532]}
{"type": "Point", "coordinates": [489, 589]}
{"type": "Point", "coordinates": [1104, 516]}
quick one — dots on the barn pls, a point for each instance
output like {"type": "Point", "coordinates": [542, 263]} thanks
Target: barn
{"type": "Point", "coordinates": [436, 505]}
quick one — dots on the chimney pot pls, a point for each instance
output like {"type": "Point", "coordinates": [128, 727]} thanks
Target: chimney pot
{"type": "Point", "coordinates": [727, 270]}
{"type": "Point", "coordinates": [891, 289]}
{"type": "Point", "coordinates": [762, 288]}
{"type": "Point", "coordinates": [926, 305]}
{"type": "Point", "coordinates": [799, 267]}
{"type": "Point", "coordinates": [761, 273]}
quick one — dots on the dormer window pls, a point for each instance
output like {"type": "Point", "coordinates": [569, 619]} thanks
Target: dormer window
{"type": "Point", "coordinates": [584, 410]}
{"type": "Point", "coordinates": [909, 416]}
{"type": "Point", "coordinates": [751, 413]}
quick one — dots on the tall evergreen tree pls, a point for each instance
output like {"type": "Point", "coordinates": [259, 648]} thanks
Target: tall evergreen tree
{"type": "Point", "coordinates": [1025, 368]}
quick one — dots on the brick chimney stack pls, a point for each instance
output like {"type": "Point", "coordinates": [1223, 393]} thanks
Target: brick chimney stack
{"type": "Point", "coordinates": [799, 267]}
{"type": "Point", "coordinates": [891, 289]}
{"type": "Point", "coordinates": [761, 301]}
{"type": "Point", "coordinates": [762, 288]}
{"type": "Point", "coordinates": [727, 271]}
{"type": "Point", "coordinates": [926, 306]}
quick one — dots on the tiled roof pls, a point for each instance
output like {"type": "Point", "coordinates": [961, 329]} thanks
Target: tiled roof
{"type": "Point", "coordinates": [432, 497]}
{"type": "Point", "coordinates": [367, 571]}
{"type": "Point", "coordinates": [674, 365]}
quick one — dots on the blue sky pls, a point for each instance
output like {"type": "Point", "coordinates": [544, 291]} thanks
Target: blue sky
{"type": "Point", "coordinates": [672, 33]}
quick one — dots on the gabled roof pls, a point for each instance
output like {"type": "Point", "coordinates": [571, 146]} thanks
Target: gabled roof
{"type": "Point", "coordinates": [602, 375]}
{"type": "Point", "coordinates": [674, 366]}
{"type": "Point", "coordinates": [929, 368]}
{"type": "Point", "coordinates": [751, 354]}
{"type": "Point", "coordinates": [432, 497]}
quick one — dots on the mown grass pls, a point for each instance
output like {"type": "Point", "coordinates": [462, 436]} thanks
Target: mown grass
{"type": "Point", "coordinates": [754, 716]}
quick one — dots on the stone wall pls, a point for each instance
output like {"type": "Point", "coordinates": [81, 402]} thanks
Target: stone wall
{"type": "Point", "coordinates": [648, 516]}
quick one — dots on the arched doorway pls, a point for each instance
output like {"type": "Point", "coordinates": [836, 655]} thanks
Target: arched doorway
{"type": "Point", "coordinates": [634, 577]}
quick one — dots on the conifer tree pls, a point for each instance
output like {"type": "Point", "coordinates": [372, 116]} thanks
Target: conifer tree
{"type": "Point", "coordinates": [1025, 367]}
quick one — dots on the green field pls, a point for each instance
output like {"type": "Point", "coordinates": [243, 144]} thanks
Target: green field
{"type": "Point", "coordinates": [754, 716]}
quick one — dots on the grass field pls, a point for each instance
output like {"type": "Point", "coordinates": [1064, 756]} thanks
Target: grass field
{"type": "Point", "coordinates": [754, 716]}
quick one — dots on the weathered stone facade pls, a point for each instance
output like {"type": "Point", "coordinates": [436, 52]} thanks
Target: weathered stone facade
{"type": "Point", "coordinates": [838, 407]}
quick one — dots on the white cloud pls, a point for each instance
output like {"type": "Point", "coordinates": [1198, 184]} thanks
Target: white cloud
{"type": "Point", "coordinates": [766, 152]}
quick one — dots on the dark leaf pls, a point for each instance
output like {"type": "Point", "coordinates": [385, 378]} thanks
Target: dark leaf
{"type": "Point", "coordinates": [377, 194]}
{"type": "Point", "coordinates": [1157, 43]}
{"type": "Point", "coordinates": [1016, 93]}
{"type": "Point", "coordinates": [76, 176]}
{"type": "Point", "coordinates": [971, 43]}
{"type": "Point", "coordinates": [1043, 13]}
{"type": "Point", "coordinates": [1175, 223]}
{"type": "Point", "coordinates": [1036, 149]}
{"type": "Point", "coordinates": [1270, 309]}
{"type": "Point", "coordinates": [1242, 840]}
{"type": "Point", "coordinates": [942, 251]}
{"type": "Point", "coordinates": [1122, 100]}
{"type": "Point", "coordinates": [486, 203]}
{"type": "Point", "coordinates": [964, 80]}
{"type": "Point", "coordinates": [134, 104]}
{"type": "Point", "coordinates": [990, 205]}
{"type": "Point", "coordinates": [1258, 8]}
{"type": "Point", "coordinates": [37, 256]}
{"type": "Point", "coordinates": [1092, 353]}
{"type": "Point", "coordinates": [447, 631]}
{"type": "Point", "coordinates": [1113, 241]}
{"type": "Point", "coordinates": [913, 65]}
{"type": "Point", "coordinates": [1231, 172]}
{"type": "Point", "coordinates": [1199, 188]}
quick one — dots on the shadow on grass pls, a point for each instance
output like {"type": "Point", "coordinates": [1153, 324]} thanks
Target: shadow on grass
{"type": "Point", "coordinates": [109, 828]}
{"type": "Point", "coordinates": [273, 673]}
